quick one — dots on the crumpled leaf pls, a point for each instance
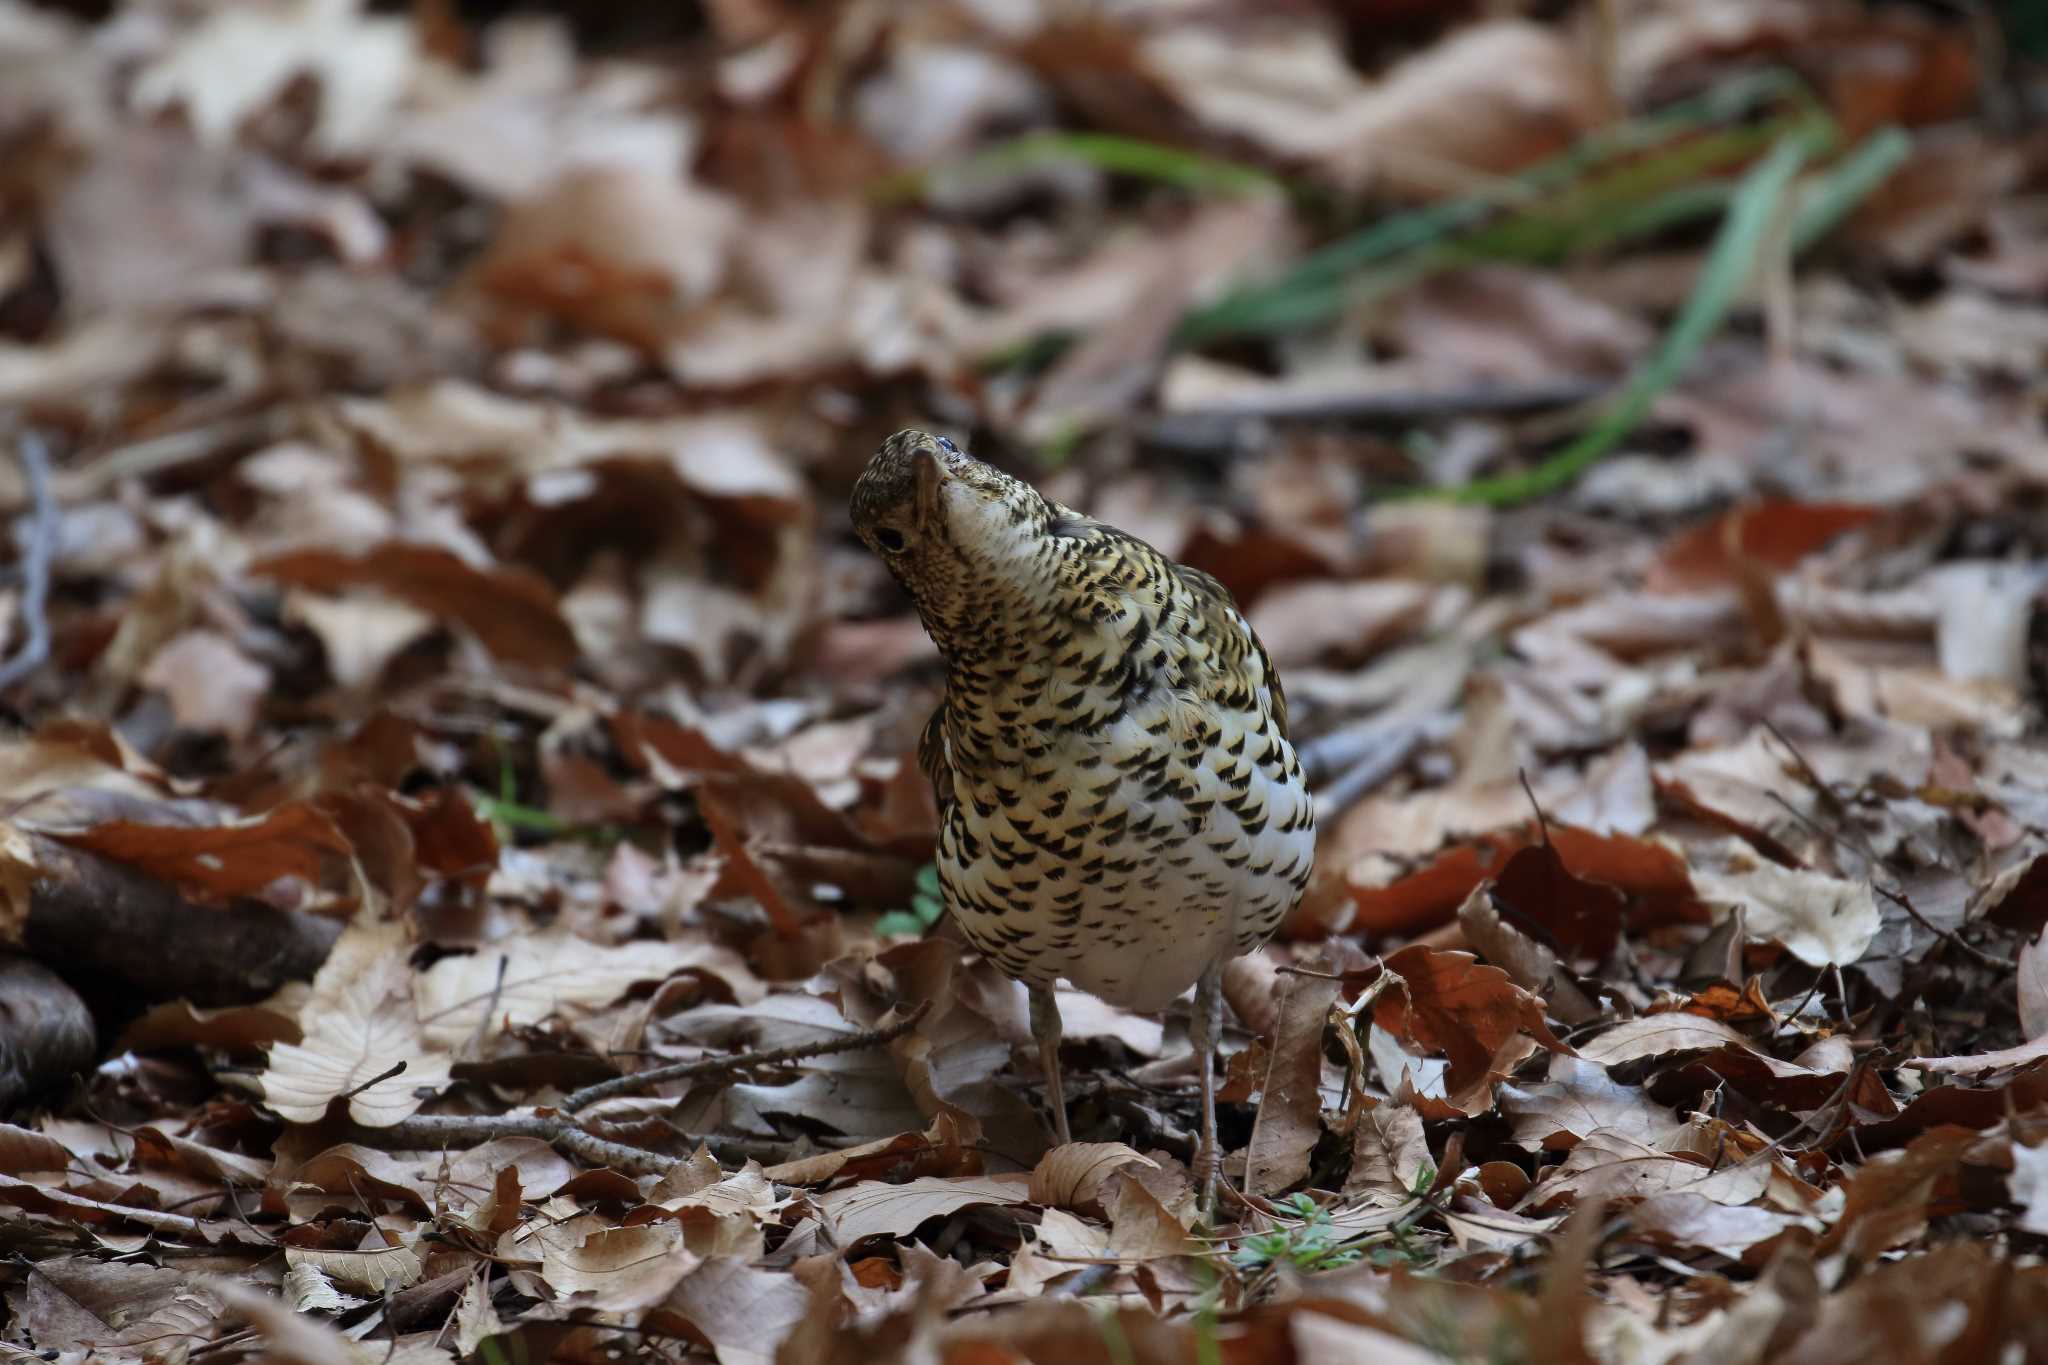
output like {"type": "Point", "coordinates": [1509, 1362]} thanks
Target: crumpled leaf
{"type": "Point", "coordinates": [1473, 1014]}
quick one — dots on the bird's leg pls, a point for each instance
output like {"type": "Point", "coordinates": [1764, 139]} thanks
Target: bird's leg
{"type": "Point", "coordinates": [1204, 1026]}
{"type": "Point", "coordinates": [1045, 1027]}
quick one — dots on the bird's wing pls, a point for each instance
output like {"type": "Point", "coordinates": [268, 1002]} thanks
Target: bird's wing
{"type": "Point", "coordinates": [931, 757]}
{"type": "Point", "coordinates": [1228, 624]}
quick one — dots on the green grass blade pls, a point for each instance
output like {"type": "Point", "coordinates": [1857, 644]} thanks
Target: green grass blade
{"type": "Point", "coordinates": [1729, 267]}
{"type": "Point", "coordinates": [1567, 214]}
{"type": "Point", "coordinates": [1848, 183]}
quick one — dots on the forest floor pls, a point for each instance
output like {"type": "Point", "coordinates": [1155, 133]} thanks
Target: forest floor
{"type": "Point", "coordinates": [464, 872]}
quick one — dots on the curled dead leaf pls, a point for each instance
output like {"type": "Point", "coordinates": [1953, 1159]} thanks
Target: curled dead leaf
{"type": "Point", "coordinates": [1075, 1176]}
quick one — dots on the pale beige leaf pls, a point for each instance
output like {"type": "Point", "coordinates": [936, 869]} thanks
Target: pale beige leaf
{"type": "Point", "coordinates": [1073, 1176]}
{"type": "Point", "coordinates": [2033, 986]}
{"type": "Point", "coordinates": [613, 1270]}
{"type": "Point", "coordinates": [1820, 919]}
{"type": "Point", "coordinates": [360, 1021]}
{"type": "Point", "coordinates": [866, 1208]}
{"type": "Point", "coordinates": [309, 1289]}
{"type": "Point", "coordinates": [463, 997]}
{"type": "Point", "coordinates": [370, 1272]}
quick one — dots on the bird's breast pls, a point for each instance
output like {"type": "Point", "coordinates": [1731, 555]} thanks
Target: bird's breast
{"type": "Point", "coordinates": [1127, 849]}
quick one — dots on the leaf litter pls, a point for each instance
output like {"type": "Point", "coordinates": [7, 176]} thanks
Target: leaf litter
{"type": "Point", "coordinates": [462, 829]}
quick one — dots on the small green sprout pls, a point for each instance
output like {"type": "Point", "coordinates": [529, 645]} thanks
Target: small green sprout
{"type": "Point", "coordinates": [927, 903]}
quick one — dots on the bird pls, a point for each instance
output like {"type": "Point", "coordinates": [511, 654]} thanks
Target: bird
{"type": "Point", "coordinates": [1119, 804]}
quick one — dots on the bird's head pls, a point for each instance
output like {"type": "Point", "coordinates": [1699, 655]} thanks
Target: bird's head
{"type": "Point", "coordinates": [950, 528]}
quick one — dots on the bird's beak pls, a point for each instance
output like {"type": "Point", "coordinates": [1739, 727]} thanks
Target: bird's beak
{"type": "Point", "coordinates": [931, 478]}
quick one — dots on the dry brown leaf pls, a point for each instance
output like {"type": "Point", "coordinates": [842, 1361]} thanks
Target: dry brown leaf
{"type": "Point", "coordinates": [611, 1270]}
{"type": "Point", "coordinates": [467, 999]}
{"type": "Point", "coordinates": [73, 1302]}
{"type": "Point", "coordinates": [222, 861]}
{"type": "Point", "coordinates": [22, 1151]}
{"type": "Point", "coordinates": [513, 613]}
{"type": "Point", "coordinates": [1580, 1099]}
{"type": "Point", "coordinates": [1449, 1003]}
{"type": "Point", "coordinates": [1290, 1117]}
{"type": "Point", "coordinates": [613, 250]}
{"type": "Point", "coordinates": [1075, 1176]}
{"type": "Point", "coordinates": [2032, 985]}
{"type": "Point", "coordinates": [371, 1271]}
{"type": "Point", "coordinates": [869, 1209]}
{"type": "Point", "coordinates": [290, 1338]}
{"type": "Point", "coordinates": [1820, 919]}
{"type": "Point", "coordinates": [211, 685]}
{"type": "Point", "coordinates": [1320, 621]}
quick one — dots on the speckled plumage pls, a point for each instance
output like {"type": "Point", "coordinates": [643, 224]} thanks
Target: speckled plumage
{"type": "Point", "coordinates": [1119, 803]}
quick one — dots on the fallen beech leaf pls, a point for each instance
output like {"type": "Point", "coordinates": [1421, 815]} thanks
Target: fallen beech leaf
{"type": "Point", "coordinates": [1578, 1100]}
{"type": "Point", "coordinates": [744, 1310]}
{"type": "Point", "coordinates": [472, 996]}
{"type": "Point", "coordinates": [1581, 918]}
{"type": "Point", "coordinates": [1290, 1117]}
{"type": "Point", "coordinates": [609, 1269]}
{"type": "Point", "coordinates": [288, 1337]}
{"type": "Point", "coordinates": [1389, 1154]}
{"type": "Point", "coordinates": [1821, 920]}
{"type": "Point", "coordinates": [1658, 1035]}
{"type": "Point", "coordinates": [211, 685]}
{"type": "Point", "coordinates": [1074, 1176]}
{"type": "Point", "coordinates": [22, 1151]}
{"type": "Point", "coordinates": [513, 613]}
{"type": "Point", "coordinates": [612, 249]}
{"type": "Point", "coordinates": [1888, 1202]}
{"type": "Point", "coordinates": [1452, 1004]}
{"type": "Point", "coordinates": [869, 1209]}
{"type": "Point", "coordinates": [1611, 1166]}
{"type": "Point", "coordinates": [372, 1272]}
{"type": "Point", "coordinates": [74, 1302]}
{"type": "Point", "coordinates": [2032, 985]}
{"type": "Point", "coordinates": [1775, 533]}
{"type": "Point", "coordinates": [359, 1021]}
{"type": "Point", "coordinates": [222, 861]}
{"type": "Point", "coordinates": [1694, 1222]}
{"type": "Point", "coordinates": [1650, 874]}
{"type": "Point", "coordinates": [2032, 1051]}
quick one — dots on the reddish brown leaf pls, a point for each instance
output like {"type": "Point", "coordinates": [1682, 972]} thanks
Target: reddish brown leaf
{"type": "Point", "coordinates": [1453, 1005]}
{"type": "Point", "coordinates": [224, 861]}
{"type": "Point", "coordinates": [511, 611]}
{"type": "Point", "coordinates": [1535, 890]}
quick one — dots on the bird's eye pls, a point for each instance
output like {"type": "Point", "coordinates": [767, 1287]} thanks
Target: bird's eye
{"type": "Point", "coordinates": [948, 446]}
{"type": "Point", "coordinates": [892, 541]}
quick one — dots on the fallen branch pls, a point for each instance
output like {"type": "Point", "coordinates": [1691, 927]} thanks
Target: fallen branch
{"type": "Point", "coordinates": [435, 1132]}
{"type": "Point", "coordinates": [36, 558]}
{"type": "Point", "coordinates": [744, 1061]}
{"type": "Point", "coordinates": [104, 924]}
{"type": "Point", "coordinates": [560, 1129]}
{"type": "Point", "coordinates": [46, 1032]}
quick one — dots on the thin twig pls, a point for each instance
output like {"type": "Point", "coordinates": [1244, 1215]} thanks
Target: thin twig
{"type": "Point", "coordinates": [438, 1132]}
{"type": "Point", "coordinates": [722, 1066]}
{"type": "Point", "coordinates": [396, 1069]}
{"type": "Point", "coordinates": [36, 559]}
